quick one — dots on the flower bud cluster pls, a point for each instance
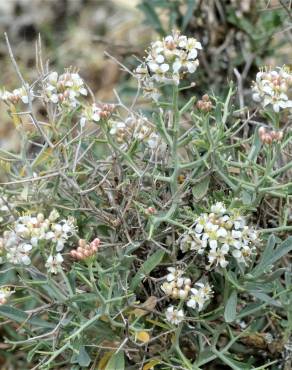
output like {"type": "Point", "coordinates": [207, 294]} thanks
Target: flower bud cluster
{"type": "Point", "coordinates": [5, 293]}
{"type": "Point", "coordinates": [270, 137]}
{"type": "Point", "coordinates": [85, 250]}
{"type": "Point", "coordinates": [28, 231]}
{"type": "Point", "coordinates": [168, 61]}
{"type": "Point", "coordinates": [273, 88]}
{"type": "Point", "coordinates": [219, 235]}
{"type": "Point", "coordinates": [205, 105]}
{"type": "Point", "coordinates": [176, 285]}
{"type": "Point", "coordinates": [64, 89]}
{"type": "Point", "coordinates": [16, 95]}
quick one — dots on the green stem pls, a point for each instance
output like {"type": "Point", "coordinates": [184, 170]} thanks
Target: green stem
{"type": "Point", "coordinates": [275, 229]}
{"type": "Point", "coordinates": [92, 280]}
{"type": "Point", "coordinates": [174, 148]}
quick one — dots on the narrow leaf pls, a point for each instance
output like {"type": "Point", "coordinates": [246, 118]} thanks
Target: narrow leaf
{"type": "Point", "coordinates": [151, 16]}
{"type": "Point", "coordinates": [147, 267]}
{"type": "Point", "coordinates": [272, 255]}
{"type": "Point", "coordinates": [201, 189]}
{"type": "Point", "coordinates": [188, 14]}
{"type": "Point", "coordinates": [266, 298]}
{"type": "Point", "coordinates": [19, 316]}
{"type": "Point", "coordinates": [116, 362]}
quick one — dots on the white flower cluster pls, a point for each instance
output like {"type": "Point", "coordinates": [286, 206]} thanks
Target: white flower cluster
{"type": "Point", "coordinates": [220, 234]}
{"type": "Point", "coordinates": [64, 89]}
{"type": "Point", "coordinates": [28, 231]}
{"type": "Point", "coordinates": [17, 95]}
{"type": "Point", "coordinates": [135, 128]}
{"type": "Point", "coordinates": [177, 286]}
{"type": "Point", "coordinates": [273, 88]}
{"type": "Point", "coordinates": [168, 60]}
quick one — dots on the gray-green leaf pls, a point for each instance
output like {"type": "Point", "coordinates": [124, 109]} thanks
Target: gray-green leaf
{"type": "Point", "coordinates": [83, 358]}
{"type": "Point", "coordinates": [230, 308]}
{"type": "Point", "coordinates": [116, 362]}
{"type": "Point", "coordinates": [147, 267]}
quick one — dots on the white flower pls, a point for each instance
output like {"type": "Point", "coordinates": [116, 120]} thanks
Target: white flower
{"type": "Point", "coordinates": [201, 223]}
{"type": "Point", "coordinates": [53, 263]}
{"type": "Point", "coordinates": [118, 128]}
{"type": "Point", "coordinates": [218, 208]}
{"type": "Point", "coordinates": [19, 255]}
{"type": "Point", "coordinates": [243, 254]}
{"type": "Point", "coordinates": [92, 113]}
{"type": "Point", "coordinates": [197, 300]}
{"type": "Point", "coordinates": [190, 66]}
{"type": "Point", "coordinates": [192, 241]}
{"type": "Point", "coordinates": [199, 296]}
{"type": "Point", "coordinates": [5, 293]}
{"type": "Point", "coordinates": [217, 255]}
{"type": "Point", "coordinates": [53, 77]}
{"type": "Point", "coordinates": [60, 233]}
{"type": "Point", "coordinates": [57, 236]}
{"type": "Point", "coordinates": [54, 215]}
{"type": "Point", "coordinates": [174, 274]}
{"type": "Point", "coordinates": [239, 223]}
{"type": "Point", "coordinates": [153, 141]}
{"type": "Point", "coordinates": [174, 316]}
{"type": "Point", "coordinates": [167, 288]}
{"type": "Point", "coordinates": [182, 293]}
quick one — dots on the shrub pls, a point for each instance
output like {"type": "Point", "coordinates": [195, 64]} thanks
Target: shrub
{"type": "Point", "coordinates": [138, 239]}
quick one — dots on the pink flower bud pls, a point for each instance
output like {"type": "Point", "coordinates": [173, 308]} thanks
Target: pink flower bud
{"type": "Point", "coordinates": [95, 242]}
{"type": "Point", "coordinates": [94, 248]}
{"type": "Point", "coordinates": [268, 139]}
{"type": "Point", "coordinates": [262, 131]}
{"type": "Point", "coordinates": [73, 253]}
{"type": "Point", "coordinates": [87, 253]}
{"type": "Point", "coordinates": [79, 256]}
{"type": "Point", "coordinates": [280, 135]}
{"type": "Point", "coordinates": [150, 211]}
{"type": "Point", "coordinates": [81, 243]}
